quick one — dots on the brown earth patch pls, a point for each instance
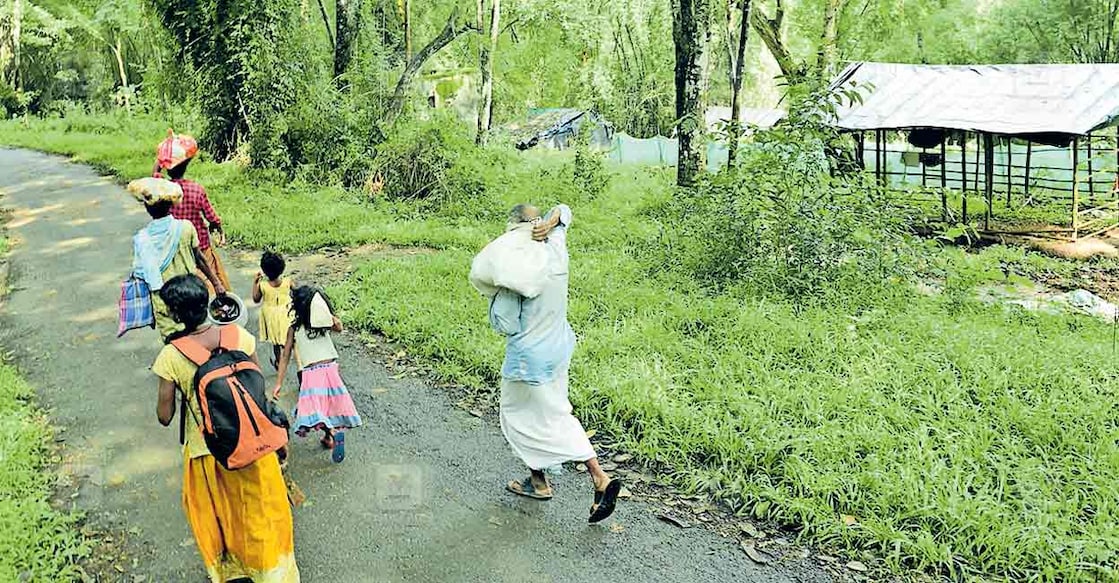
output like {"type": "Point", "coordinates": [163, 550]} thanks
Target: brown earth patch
{"type": "Point", "coordinates": [325, 266]}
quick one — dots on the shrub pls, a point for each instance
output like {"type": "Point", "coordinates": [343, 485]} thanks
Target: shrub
{"type": "Point", "coordinates": [589, 173]}
{"type": "Point", "coordinates": [432, 162]}
{"type": "Point", "coordinates": [329, 138]}
{"type": "Point", "coordinates": [780, 223]}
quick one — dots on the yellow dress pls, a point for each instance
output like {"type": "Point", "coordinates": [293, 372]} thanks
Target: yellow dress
{"type": "Point", "coordinates": [275, 311]}
{"type": "Point", "coordinates": [241, 519]}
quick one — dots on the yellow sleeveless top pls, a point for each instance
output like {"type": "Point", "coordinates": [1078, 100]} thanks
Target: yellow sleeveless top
{"type": "Point", "coordinates": [275, 311]}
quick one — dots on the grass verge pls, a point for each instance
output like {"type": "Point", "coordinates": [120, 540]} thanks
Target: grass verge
{"type": "Point", "coordinates": [961, 437]}
{"type": "Point", "coordinates": [37, 542]}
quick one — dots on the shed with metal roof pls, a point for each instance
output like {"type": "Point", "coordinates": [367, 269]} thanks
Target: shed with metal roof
{"type": "Point", "coordinates": [1065, 105]}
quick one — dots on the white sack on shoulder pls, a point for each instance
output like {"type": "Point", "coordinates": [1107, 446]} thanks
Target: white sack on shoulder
{"type": "Point", "coordinates": [512, 261]}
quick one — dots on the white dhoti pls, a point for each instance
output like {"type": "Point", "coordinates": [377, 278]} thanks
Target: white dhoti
{"type": "Point", "coordinates": [538, 424]}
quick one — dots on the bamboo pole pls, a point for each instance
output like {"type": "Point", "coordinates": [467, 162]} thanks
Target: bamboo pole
{"type": "Point", "coordinates": [988, 176]}
{"type": "Point", "coordinates": [963, 175]}
{"type": "Point", "coordinates": [880, 157]}
{"type": "Point", "coordinates": [1091, 179]}
{"type": "Point", "coordinates": [924, 173]}
{"type": "Point", "coordinates": [877, 162]}
{"type": "Point", "coordinates": [1075, 188]}
{"type": "Point", "coordinates": [944, 178]}
{"type": "Point", "coordinates": [1009, 168]}
{"type": "Point", "coordinates": [1026, 177]}
{"type": "Point", "coordinates": [978, 151]}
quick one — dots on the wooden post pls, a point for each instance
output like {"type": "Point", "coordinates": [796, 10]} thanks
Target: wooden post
{"type": "Point", "coordinates": [882, 156]}
{"type": "Point", "coordinates": [1091, 179]}
{"type": "Point", "coordinates": [880, 153]}
{"type": "Point", "coordinates": [879, 157]}
{"type": "Point", "coordinates": [977, 153]}
{"type": "Point", "coordinates": [988, 176]}
{"type": "Point", "coordinates": [944, 178]}
{"type": "Point", "coordinates": [1026, 176]}
{"type": "Point", "coordinates": [963, 176]}
{"type": "Point", "coordinates": [924, 177]}
{"type": "Point", "coordinates": [1009, 168]}
{"type": "Point", "coordinates": [877, 162]}
{"type": "Point", "coordinates": [1075, 189]}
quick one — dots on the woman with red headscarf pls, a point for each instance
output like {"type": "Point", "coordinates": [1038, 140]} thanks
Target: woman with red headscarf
{"type": "Point", "coordinates": [174, 156]}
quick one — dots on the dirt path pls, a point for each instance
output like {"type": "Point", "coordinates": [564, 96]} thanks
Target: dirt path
{"type": "Point", "coordinates": [419, 497]}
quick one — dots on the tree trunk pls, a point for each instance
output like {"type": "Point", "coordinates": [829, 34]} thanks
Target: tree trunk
{"type": "Point", "coordinates": [407, 29]}
{"type": "Point", "coordinates": [826, 57]}
{"type": "Point", "coordinates": [10, 47]}
{"type": "Point", "coordinates": [119, 54]}
{"type": "Point", "coordinates": [485, 106]}
{"type": "Point", "coordinates": [729, 37]}
{"type": "Point", "coordinates": [347, 23]}
{"type": "Point", "coordinates": [450, 32]}
{"type": "Point", "coordinates": [736, 85]}
{"type": "Point", "coordinates": [769, 29]}
{"type": "Point", "coordinates": [690, 24]}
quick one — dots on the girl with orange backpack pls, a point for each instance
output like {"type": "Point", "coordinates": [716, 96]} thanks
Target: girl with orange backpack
{"type": "Point", "coordinates": [234, 494]}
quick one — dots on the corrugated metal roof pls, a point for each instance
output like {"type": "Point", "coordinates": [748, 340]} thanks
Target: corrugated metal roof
{"type": "Point", "coordinates": [998, 99]}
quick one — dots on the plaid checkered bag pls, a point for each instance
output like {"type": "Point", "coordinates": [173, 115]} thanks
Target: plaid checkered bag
{"type": "Point", "coordinates": [136, 310]}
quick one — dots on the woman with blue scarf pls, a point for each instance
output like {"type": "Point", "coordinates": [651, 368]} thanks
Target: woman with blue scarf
{"type": "Point", "coordinates": [166, 247]}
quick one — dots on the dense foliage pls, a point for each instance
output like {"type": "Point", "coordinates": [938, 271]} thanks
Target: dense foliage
{"type": "Point", "coordinates": [256, 70]}
{"type": "Point", "coordinates": [784, 222]}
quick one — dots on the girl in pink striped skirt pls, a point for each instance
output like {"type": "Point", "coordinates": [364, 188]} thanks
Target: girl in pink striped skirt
{"type": "Point", "coordinates": [324, 403]}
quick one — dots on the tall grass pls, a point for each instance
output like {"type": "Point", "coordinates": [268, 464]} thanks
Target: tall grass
{"type": "Point", "coordinates": [964, 438]}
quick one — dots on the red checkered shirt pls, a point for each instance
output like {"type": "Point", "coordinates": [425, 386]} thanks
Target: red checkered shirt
{"type": "Point", "coordinates": [194, 206]}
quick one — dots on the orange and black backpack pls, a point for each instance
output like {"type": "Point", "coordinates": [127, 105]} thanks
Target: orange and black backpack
{"type": "Point", "coordinates": [239, 423]}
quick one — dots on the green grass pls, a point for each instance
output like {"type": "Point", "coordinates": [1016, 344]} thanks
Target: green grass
{"type": "Point", "coordinates": [37, 542]}
{"type": "Point", "coordinates": [964, 438]}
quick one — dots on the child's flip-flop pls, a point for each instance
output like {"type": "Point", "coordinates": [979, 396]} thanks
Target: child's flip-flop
{"type": "Point", "coordinates": [605, 501]}
{"type": "Point", "coordinates": [338, 452]}
{"type": "Point", "coordinates": [526, 489]}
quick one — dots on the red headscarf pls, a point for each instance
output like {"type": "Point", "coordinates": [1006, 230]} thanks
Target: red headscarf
{"type": "Point", "coordinates": [175, 149]}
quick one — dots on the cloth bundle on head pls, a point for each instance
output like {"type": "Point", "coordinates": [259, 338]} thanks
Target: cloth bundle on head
{"type": "Point", "coordinates": [320, 313]}
{"type": "Point", "coordinates": [154, 190]}
{"type": "Point", "coordinates": [176, 149]}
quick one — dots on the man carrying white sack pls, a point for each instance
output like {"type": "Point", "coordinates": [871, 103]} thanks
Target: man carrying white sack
{"type": "Point", "coordinates": [524, 273]}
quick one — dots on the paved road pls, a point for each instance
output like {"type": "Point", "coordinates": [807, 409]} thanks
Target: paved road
{"type": "Point", "coordinates": [419, 497]}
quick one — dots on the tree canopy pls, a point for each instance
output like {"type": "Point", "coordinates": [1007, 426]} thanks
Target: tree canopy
{"type": "Point", "coordinates": [269, 75]}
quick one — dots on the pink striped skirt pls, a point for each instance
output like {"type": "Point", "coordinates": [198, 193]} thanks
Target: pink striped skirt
{"type": "Point", "coordinates": [324, 402]}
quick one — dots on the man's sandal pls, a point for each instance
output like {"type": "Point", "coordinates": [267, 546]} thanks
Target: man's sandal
{"type": "Point", "coordinates": [605, 501]}
{"type": "Point", "coordinates": [526, 489]}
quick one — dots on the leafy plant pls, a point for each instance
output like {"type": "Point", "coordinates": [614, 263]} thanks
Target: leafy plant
{"type": "Point", "coordinates": [589, 166]}
{"type": "Point", "coordinates": [780, 223]}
